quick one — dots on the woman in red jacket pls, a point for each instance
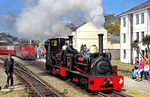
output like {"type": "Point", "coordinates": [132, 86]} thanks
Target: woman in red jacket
{"type": "Point", "coordinates": [141, 68]}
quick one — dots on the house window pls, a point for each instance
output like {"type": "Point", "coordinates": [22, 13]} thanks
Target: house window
{"type": "Point", "coordinates": [137, 35]}
{"type": "Point", "coordinates": [124, 22]}
{"type": "Point", "coordinates": [142, 18]}
{"type": "Point", "coordinates": [142, 35]}
{"type": "Point", "coordinates": [137, 54]}
{"type": "Point", "coordinates": [124, 54]}
{"type": "Point", "coordinates": [137, 19]}
{"type": "Point", "coordinates": [143, 52]}
{"type": "Point", "coordinates": [124, 38]}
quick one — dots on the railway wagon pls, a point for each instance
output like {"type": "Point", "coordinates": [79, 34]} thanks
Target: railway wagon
{"type": "Point", "coordinates": [7, 49]}
{"type": "Point", "coordinates": [26, 51]}
{"type": "Point", "coordinates": [91, 71]}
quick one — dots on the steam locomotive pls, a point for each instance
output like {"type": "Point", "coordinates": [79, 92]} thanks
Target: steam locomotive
{"type": "Point", "coordinates": [93, 71]}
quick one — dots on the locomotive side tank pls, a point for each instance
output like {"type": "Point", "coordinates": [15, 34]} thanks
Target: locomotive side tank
{"type": "Point", "coordinates": [92, 71]}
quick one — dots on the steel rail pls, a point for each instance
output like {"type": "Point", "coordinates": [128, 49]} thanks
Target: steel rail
{"type": "Point", "coordinates": [29, 83]}
{"type": "Point", "coordinates": [38, 79]}
{"type": "Point", "coordinates": [102, 94]}
{"type": "Point", "coordinates": [119, 94]}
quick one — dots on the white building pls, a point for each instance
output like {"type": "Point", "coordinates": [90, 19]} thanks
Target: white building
{"type": "Point", "coordinates": [134, 23]}
{"type": "Point", "coordinates": [88, 34]}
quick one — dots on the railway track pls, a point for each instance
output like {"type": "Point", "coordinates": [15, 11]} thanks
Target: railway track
{"type": "Point", "coordinates": [37, 85]}
{"type": "Point", "coordinates": [112, 94]}
{"type": "Point", "coordinates": [41, 66]}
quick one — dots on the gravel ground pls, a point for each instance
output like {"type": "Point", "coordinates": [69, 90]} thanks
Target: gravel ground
{"type": "Point", "coordinates": [59, 84]}
{"type": "Point", "coordinates": [75, 91]}
{"type": "Point", "coordinates": [17, 90]}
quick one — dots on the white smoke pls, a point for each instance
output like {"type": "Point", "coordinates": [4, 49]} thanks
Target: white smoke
{"type": "Point", "coordinates": [43, 19]}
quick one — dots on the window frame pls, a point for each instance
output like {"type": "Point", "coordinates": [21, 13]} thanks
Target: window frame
{"type": "Point", "coordinates": [137, 54]}
{"type": "Point", "coordinates": [124, 54]}
{"type": "Point", "coordinates": [142, 35]}
{"type": "Point", "coordinates": [143, 52]}
{"type": "Point", "coordinates": [124, 38]}
{"type": "Point", "coordinates": [142, 18]}
{"type": "Point", "coordinates": [137, 35]}
{"type": "Point", "coordinates": [137, 19]}
{"type": "Point", "coordinates": [124, 22]}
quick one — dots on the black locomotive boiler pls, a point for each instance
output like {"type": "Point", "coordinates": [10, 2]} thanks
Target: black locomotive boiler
{"type": "Point", "coordinates": [91, 70]}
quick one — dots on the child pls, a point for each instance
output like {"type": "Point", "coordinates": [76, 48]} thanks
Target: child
{"type": "Point", "coordinates": [146, 69]}
{"type": "Point", "coordinates": [135, 68]}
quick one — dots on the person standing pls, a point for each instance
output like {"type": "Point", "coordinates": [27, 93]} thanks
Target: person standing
{"type": "Point", "coordinates": [109, 55]}
{"type": "Point", "coordinates": [8, 69]}
{"type": "Point", "coordinates": [39, 52]}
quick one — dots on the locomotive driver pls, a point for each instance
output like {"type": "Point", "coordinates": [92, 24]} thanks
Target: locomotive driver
{"type": "Point", "coordinates": [69, 48]}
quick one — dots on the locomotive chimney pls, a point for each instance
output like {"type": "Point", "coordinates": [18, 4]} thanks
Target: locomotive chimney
{"type": "Point", "coordinates": [70, 38]}
{"type": "Point", "coordinates": [100, 43]}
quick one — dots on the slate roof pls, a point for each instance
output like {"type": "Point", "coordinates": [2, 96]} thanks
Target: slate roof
{"type": "Point", "coordinates": [73, 27]}
{"type": "Point", "coordinates": [139, 7]}
{"type": "Point", "coordinates": [5, 40]}
{"type": "Point", "coordinates": [113, 39]}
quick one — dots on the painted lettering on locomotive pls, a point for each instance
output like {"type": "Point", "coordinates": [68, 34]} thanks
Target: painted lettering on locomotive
{"type": "Point", "coordinates": [90, 69]}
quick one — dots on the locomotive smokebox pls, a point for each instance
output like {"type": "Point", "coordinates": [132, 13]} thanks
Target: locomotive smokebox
{"type": "Point", "coordinates": [70, 39]}
{"type": "Point", "coordinates": [100, 43]}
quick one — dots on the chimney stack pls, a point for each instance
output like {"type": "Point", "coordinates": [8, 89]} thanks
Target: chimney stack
{"type": "Point", "coordinates": [100, 43]}
{"type": "Point", "coordinates": [70, 39]}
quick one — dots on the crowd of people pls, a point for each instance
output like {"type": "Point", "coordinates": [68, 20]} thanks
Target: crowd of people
{"type": "Point", "coordinates": [140, 68]}
{"type": "Point", "coordinates": [40, 52]}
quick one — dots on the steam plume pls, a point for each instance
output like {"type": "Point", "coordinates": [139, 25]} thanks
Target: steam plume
{"type": "Point", "coordinates": [43, 19]}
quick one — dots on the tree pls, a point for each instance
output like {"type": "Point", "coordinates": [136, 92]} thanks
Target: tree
{"type": "Point", "coordinates": [111, 26]}
{"type": "Point", "coordinates": [34, 42]}
{"type": "Point", "coordinates": [113, 29]}
{"type": "Point", "coordinates": [135, 45]}
{"type": "Point", "coordinates": [146, 41]}
{"type": "Point", "coordinates": [110, 19]}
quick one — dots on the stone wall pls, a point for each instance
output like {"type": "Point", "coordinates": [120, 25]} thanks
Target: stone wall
{"type": "Point", "coordinates": [115, 53]}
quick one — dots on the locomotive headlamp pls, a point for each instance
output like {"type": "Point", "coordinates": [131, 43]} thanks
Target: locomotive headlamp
{"type": "Point", "coordinates": [120, 81]}
{"type": "Point", "coordinates": [91, 82]}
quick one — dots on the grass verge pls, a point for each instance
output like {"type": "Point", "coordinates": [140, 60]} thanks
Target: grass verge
{"type": "Point", "coordinates": [118, 62]}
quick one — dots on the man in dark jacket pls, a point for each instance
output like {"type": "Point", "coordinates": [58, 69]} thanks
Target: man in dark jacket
{"type": "Point", "coordinates": [69, 49]}
{"type": "Point", "coordinates": [8, 69]}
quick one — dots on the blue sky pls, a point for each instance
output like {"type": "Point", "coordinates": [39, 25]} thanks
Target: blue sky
{"type": "Point", "coordinates": [14, 7]}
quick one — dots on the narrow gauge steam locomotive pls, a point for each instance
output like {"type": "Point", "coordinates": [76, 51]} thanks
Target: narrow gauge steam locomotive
{"type": "Point", "coordinates": [92, 71]}
{"type": "Point", "coordinates": [26, 51]}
